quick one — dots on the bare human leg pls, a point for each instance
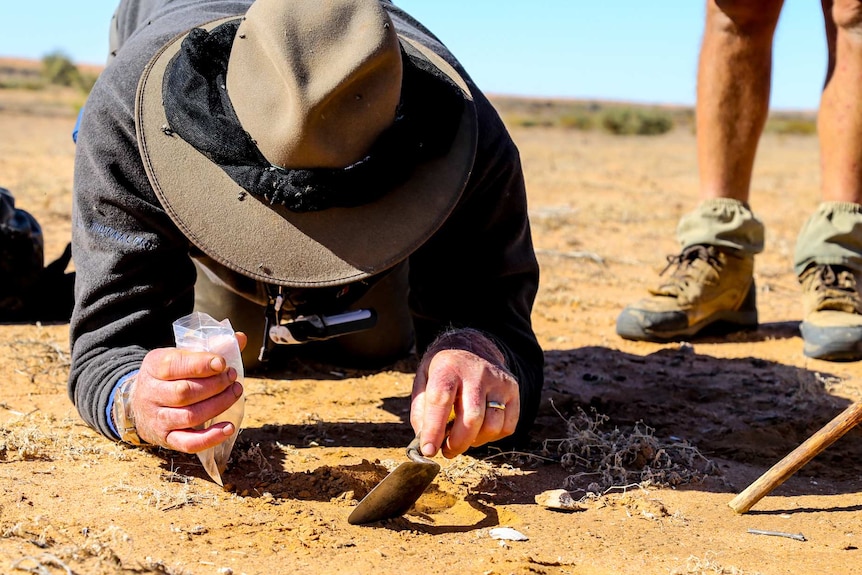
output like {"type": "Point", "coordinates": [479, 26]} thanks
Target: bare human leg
{"type": "Point", "coordinates": [733, 86]}
{"type": "Point", "coordinates": [712, 283]}
{"type": "Point", "coordinates": [829, 248]}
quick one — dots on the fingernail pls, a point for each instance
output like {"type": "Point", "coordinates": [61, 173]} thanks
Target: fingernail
{"type": "Point", "coordinates": [228, 429]}
{"type": "Point", "coordinates": [217, 364]}
{"type": "Point", "coordinates": [429, 449]}
{"type": "Point", "coordinates": [236, 388]}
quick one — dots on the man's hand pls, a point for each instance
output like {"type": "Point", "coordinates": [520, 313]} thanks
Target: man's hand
{"type": "Point", "coordinates": [466, 370]}
{"type": "Point", "coordinates": [177, 390]}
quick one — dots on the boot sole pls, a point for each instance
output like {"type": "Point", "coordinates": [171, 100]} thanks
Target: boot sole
{"type": "Point", "coordinates": [831, 343]}
{"type": "Point", "coordinates": [719, 323]}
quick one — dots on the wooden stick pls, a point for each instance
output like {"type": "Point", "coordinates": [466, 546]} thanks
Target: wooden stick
{"type": "Point", "coordinates": [792, 462]}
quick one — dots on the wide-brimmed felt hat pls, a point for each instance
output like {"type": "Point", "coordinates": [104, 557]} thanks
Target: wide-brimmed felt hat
{"type": "Point", "coordinates": [305, 143]}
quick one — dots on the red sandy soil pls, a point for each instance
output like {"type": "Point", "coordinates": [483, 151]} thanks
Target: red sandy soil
{"type": "Point", "coordinates": [316, 438]}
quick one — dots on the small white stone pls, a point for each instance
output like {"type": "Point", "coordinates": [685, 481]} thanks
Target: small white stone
{"type": "Point", "coordinates": [507, 534]}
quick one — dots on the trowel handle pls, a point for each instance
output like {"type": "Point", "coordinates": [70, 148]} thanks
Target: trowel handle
{"type": "Point", "coordinates": [414, 451]}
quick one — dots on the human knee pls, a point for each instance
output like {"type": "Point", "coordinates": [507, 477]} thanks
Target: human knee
{"type": "Point", "coordinates": [748, 17]}
{"type": "Point", "coordinates": [847, 15]}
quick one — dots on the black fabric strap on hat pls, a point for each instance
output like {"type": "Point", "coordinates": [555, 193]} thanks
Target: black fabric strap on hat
{"type": "Point", "coordinates": [199, 111]}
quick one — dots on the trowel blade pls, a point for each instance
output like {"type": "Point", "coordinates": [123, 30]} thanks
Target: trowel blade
{"type": "Point", "coordinates": [398, 491]}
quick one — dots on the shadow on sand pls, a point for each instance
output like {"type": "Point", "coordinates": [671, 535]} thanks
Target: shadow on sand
{"type": "Point", "coordinates": [745, 411]}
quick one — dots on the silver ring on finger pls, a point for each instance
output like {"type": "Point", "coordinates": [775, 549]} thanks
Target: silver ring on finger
{"type": "Point", "coordinates": [496, 405]}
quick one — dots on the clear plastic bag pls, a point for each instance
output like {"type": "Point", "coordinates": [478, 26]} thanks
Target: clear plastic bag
{"type": "Point", "coordinates": [200, 332]}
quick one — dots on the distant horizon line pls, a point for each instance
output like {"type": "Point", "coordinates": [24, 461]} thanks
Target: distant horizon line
{"type": "Point", "coordinates": [93, 67]}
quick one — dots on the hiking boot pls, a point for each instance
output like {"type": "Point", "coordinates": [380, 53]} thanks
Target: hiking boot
{"type": "Point", "coordinates": [710, 286]}
{"type": "Point", "coordinates": [832, 328]}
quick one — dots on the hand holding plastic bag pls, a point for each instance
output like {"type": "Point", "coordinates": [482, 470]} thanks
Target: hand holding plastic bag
{"type": "Point", "coordinates": [200, 332]}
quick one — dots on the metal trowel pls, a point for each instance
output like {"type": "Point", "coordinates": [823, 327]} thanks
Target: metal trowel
{"type": "Point", "coordinates": [399, 490]}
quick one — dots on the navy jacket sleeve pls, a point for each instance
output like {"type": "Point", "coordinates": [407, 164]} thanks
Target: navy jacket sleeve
{"type": "Point", "coordinates": [480, 269]}
{"type": "Point", "coordinates": [133, 273]}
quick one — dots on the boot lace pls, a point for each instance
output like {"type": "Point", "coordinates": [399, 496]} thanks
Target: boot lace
{"type": "Point", "coordinates": [690, 255]}
{"type": "Point", "coordinates": [687, 270]}
{"type": "Point", "coordinates": [835, 287]}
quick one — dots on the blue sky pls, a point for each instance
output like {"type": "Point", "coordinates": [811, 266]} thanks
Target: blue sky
{"type": "Point", "coordinates": [624, 50]}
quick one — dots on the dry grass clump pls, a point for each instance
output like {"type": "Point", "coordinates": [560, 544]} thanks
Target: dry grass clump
{"type": "Point", "coordinates": [175, 491]}
{"type": "Point", "coordinates": [24, 443]}
{"type": "Point", "coordinates": [475, 474]}
{"type": "Point", "coordinates": [93, 558]}
{"type": "Point", "coordinates": [50, 439]}
{"type": "Point", "coordinates": [87, 551]}
{"type": "Point", "coordinates": [37, 359]}
{"type": "Point", "coordinates": [622, 457]}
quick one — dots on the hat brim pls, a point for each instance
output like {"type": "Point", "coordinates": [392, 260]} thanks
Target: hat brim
{"type": "Point", "coordinates": [274, 245]}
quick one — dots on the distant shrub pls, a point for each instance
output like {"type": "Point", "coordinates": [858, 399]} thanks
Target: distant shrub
{"type": "Point", "coordinates": [59, 70]}
{"type": "Point", "coordinates": [629, 121]}
{"type": "Point", "coordinates": [583, 122]}
{"type": "Point", "coordinates": [794, 126]}
{"type": "Point", "coordinates": [19, 84]}
{"type": "Point", "coordinates": [20, 76]}
{"type": "Point", "coordinates": [621, 122]}
{"type": "Point", "coordinates": [586, 115]}
{"type": "Point", "coordinates": [528, 121]}
{"type": "Point", "coordinates": [655, 123]}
